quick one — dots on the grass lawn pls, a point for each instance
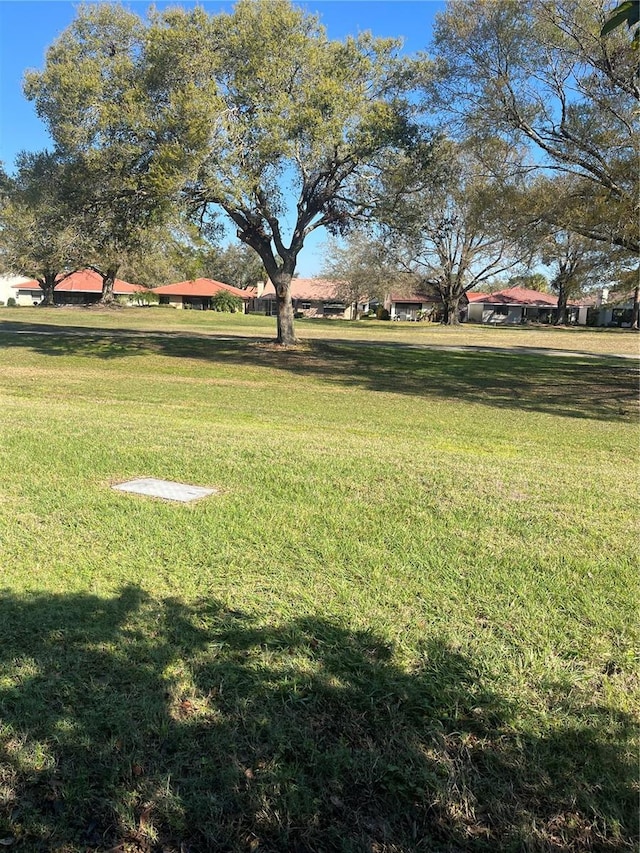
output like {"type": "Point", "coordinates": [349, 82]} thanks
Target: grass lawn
{"type": "Point", "coordinates": [408, 622]}
{"type": "Point", "coordinates": [579, 340]}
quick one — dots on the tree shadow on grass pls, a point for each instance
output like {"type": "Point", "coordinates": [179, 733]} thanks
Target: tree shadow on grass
{"type": "Point", "coordinates": [601, 389]}
{"type": "Point", "coordinates": [132, 724]}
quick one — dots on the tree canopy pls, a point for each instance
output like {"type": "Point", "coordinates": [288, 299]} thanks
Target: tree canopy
{"type": "Point", "coordinates": [40, 235]}
{"type": "Point", "coordinates": [443, 220]}
{"type": "Point", "coordinates": [256, 117]}
{"type": "Point", "coordinates": [256, 113]}
{"type": "Point", "coordinates": [362, 268]}
{"type": "Point", "coordinates": [541, 74]}
{"type": "Point", "coordinates": [298, 117]}
{"type": "Point", "coordinates": [94, 96]}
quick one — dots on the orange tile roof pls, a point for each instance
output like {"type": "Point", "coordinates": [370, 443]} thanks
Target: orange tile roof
{"type": "Point", "coordinates": [200, 287]}
{"type": "Point", "coordinates": [478, 297]}
{"type": "Point", "coordinates": [32, 284]}
{"type": "Point", "coordinates": [84, 281]}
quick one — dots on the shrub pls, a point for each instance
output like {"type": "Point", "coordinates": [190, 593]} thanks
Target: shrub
{"type": "Point", "coordinates": [143, 298]}
{"type": "Point", "coordinates": [11, 302]}
{"type": "Point", "coordinates": [225, 301]}
{"type": "Point", "coordinates": [382, 313]}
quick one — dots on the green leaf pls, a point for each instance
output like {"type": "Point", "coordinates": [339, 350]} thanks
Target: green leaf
{"type": "Point", "coordinates": [628, 11]}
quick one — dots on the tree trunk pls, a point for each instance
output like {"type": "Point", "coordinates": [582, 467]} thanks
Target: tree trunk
{"type": "Point", "coordinates": [561, 311]}
{"type": "Point", "coordinates": [635, 316]}
{"type": "Point", "coordinates": [108, 281]}
{"type": "Point", "coordinates": [451, 315]}
{"type": "Point", "coordinates": [286, 331]}
{"type": "Point", "coordinates": [47, 284]}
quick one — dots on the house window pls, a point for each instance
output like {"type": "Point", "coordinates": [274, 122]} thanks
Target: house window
{"type": "Point", "coordinates": [503, 310]}
{"type": "Point", "coordinates": [305, 306]}
{"type": "Point", "coordinates": [333, 309]}
{"type": "Point", "coordinates": [621, 317]}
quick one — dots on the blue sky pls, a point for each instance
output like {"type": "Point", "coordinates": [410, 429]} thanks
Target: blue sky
{"type": "Point", "coordinates": [27, 28]}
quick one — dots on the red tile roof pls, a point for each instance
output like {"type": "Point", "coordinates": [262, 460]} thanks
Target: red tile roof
{"type": "Point", "coordinates": [200, 287]}
{"type": "Point", "coordinates": [308, 289]}
{"type": "Point", "coordinates": [478, 297]}
{"type": "Point", "coordinates": [520, 296]}
{"type": "Point", "coordinates": [84, 281]}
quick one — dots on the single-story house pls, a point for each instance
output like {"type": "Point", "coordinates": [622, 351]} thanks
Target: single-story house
{"type": "Point", "coordinates": [517, 305]}
{"type": "Point", "coordinates": [80, 288]}
{"type": "Point", "coordinates": [414, 306]}
{"type": "Point", "coordinates": [311, 297]}
{"type": "Point", "coordinates": [27, 292]}
{"type": "Point", "coordinates": [197, 294]}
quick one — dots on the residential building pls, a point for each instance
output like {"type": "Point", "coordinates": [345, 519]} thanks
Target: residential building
{"type": "Point", "coordinates": [613, 309]}
{"type": "Point", "coordinates": [311, 297]}
{"type": "Point", "coordinates": [197, 294]}
{"type": "Point", "coordinates": [414, 306]}
{"type": "Point", "coordinates": [517, 305]}
{"type": "Point", "coordinates": [80, 288]}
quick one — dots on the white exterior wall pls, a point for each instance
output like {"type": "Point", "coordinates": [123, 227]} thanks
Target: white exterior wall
{"type": "Point", "coordinates": [27, 297]}
{"type": "Point", "coordinates": [7, 289]}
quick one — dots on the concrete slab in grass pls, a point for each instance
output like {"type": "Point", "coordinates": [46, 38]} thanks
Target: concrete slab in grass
{"type": "Point", "coordinates": [165, 489]}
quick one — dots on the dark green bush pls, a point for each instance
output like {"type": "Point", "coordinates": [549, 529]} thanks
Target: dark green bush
{"type": "Point", "coordinates": [225, 301]}
{"type": "Point", "coordinates": [11, 302]}
{"type": "Point", "coordinates": [382, 313]}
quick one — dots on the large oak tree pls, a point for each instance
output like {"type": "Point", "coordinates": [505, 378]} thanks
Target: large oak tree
{"type": "Point", "coordinates": [256, 113]}
{"type": "Point", "coordinates": [297, 119]}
